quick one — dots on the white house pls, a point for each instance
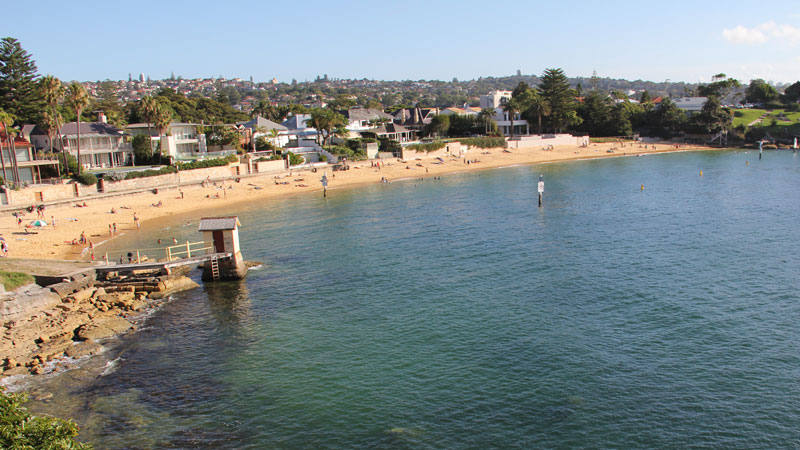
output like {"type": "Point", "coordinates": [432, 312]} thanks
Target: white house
{"type": "Point", "coordinates": [182, 140]}
{"type": "Point", "coordinates": [101, 144]}
{"type": "Point", "coordinates": [494, 99]}
{"type": "Point", "coordinates": [261, 127]}
{"type": "Point", "coordinates": [690, 105]}
{"type": "Point", "coordinates": [364, 119]}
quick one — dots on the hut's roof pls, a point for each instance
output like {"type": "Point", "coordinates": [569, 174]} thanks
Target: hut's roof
{"type": "Point", "coordinates": [218, 223]}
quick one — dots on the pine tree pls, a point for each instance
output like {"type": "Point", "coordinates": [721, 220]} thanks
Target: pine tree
{"type": "Point", "coordinates": [555, 90]}
{"type": "Point", "coordinates": [18, 93]}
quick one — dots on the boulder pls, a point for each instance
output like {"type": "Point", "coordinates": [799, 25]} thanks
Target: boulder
{"type": "Point", "coordinates": [103, 329]}
{"type": "Point", "coordinates": [84, 348]}
{"type": "Point", "coordinates": [26, 301]}
{"type": "Point", "coordinates": [19, 370]}
{"type": "Point", "coordinates": [83, 295]}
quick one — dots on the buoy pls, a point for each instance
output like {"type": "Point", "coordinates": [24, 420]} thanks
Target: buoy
{"type": "Point", "coordinates": [642, 187]}
{"type": "Point", "coordinates": [701, 173]}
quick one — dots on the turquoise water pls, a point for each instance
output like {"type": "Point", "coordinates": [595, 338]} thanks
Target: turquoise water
{"type": "Point", "coordinates": [457, 314]}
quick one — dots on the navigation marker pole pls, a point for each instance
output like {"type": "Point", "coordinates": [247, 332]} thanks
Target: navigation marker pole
{"type": "Point", "coordinates": [760, 148]}
{"type": "Point", "coordinates": [541, 190]}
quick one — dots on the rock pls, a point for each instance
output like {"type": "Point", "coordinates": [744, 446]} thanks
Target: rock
{"type": "Point", "coordinates": [36, 370]}
{"type": "Point", "coordinates": [98, 292]}
{"type": "Point", "coordinates": [10, 362]}
{"type": "Point", "coordinates": [83, 295]}
{"type": "Point", "coordinates": [103, 329]}
{"type": "Point", "coordinates": [26, 302]}
{"type": "Point", "coordinates": [84, 348]}
{"type": "Point", "coordinates": [43, 396]}
{"type": "Point", "coordinates": [19, 370]}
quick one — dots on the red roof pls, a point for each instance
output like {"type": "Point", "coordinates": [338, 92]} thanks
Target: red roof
{"type": "Point", "coordinates": [657, 99]}
{"type": "Point", "coordinates": [19, 141]}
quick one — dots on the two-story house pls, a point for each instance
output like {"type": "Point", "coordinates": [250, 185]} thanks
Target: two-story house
{"type": "Point", "coordinates": [181, 141]}
{"type": "Point", "coordinates": [102, 144]}
{"type": "Point", "coordinates": [18, 160]}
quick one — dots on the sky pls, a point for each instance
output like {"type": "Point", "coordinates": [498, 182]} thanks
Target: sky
{"type": "Point", "coordinates": [412, 40]}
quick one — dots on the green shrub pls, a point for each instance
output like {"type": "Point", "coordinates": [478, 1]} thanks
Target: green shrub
{"type": "Point", "coordinates": [485, 142]}
{"type": "Point", "coordinates": [295, 159]}
{"type": "Point", "coordinates": [427, 147]}
{"type": "Point", "coordinates": [86, 179]}
{"type": "Point", "coordinates": [151, 173]}
{"type": "Point", "coordinates": [388, 145]}
{"type": "Point", "coordinates": [206, 163]}
{"type": "Point", "coordinates": [323, 158]}
{"type": "Point", "coordinates": [19, 429]}
{"type": "Point", "coordinates": [142, 150]}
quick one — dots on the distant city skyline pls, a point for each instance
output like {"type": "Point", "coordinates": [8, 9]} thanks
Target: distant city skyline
{"type": "Point", "coordinates": [682, 41]}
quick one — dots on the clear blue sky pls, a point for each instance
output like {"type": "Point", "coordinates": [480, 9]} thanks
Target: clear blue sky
{"type": "Point", "coordinates": [432, 39]}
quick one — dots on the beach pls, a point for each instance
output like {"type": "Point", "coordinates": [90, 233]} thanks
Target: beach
{"type": "Point", "coordinates": [98, 219]}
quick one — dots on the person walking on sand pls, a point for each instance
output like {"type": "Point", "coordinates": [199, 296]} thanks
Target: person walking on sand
{"type": "Point", "coordinates": [53, 222]}
{"type": "Point", "coordinates": [115, 227]}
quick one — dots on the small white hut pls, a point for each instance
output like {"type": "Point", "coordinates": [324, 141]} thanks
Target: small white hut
{"type": "Point", "coordinates": [223, 233]}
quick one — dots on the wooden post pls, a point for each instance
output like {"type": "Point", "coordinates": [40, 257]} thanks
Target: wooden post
{"type": "Point", "coordinates": [188, 250]}
{"type": "Point", "coordinates": [138, 259]}
{"type": "Point", "coordinates": [169, 253]}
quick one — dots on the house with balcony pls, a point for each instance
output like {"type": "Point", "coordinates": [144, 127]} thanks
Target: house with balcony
{"type": "Point", "coordinates": [102, 144]}
{"type": "Point", "coordinates": [415, 118]}
{"type": "Point", "coordinates": [690, 105]}
{"type": "Point", "coordinates": [364, 119]}
{"type": "Point", "coordinates": [18, 161]}
{"type": "Point", "coordinates": [262, 127]}
{"type": "Point", "coordinates": [181, 141]}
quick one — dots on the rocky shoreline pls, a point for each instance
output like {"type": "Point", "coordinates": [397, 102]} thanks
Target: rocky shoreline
{"type": "Point", "coordinates": [71, 319]}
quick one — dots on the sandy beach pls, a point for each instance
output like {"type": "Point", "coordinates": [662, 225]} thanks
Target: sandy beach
{"type": "Point", "coordinates": [55, 242]}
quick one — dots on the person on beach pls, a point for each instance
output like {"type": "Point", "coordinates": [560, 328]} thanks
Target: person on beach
{"type": "Point", "coordinates": [115, 227]}
{"type": "Point", "coordinates": [3, 247]}
{"type": "Point", "coordinates": [53, 222]}
{"type": "Point", "coordinates": [174, 241]}
{"type": "Point", "coordinates": [82, 239]}
{"type": "Point", "coordinates": [110, 232]}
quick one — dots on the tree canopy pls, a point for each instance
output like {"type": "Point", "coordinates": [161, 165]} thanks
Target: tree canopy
{"type": "Point", "coordinates": [760, 92]}
{"type": "Point", "coordinates": [561, 99]}
{"type": "Point", "coordinates": [19, 95]}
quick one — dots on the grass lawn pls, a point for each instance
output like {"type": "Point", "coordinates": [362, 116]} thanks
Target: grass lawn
{"type": "Point", "coordinates": [745, 116]}
{"type": "Point", "coordinates": [13, 280]}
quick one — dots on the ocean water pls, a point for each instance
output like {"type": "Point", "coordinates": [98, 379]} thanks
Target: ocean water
{"type": "Point", "coordinates": [455, 313]}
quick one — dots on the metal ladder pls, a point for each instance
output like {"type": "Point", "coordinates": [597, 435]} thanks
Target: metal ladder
{"type": "Point", "coordinates": [215, 268]}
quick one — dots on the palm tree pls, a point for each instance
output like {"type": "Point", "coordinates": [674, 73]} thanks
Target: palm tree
{"type": "Point", "coordinates": [273, 133]}
{"type": "Point", "coordinates": [77, 99]}
{"type": "Point", "coordinates": [162, 117]}
{"type": "Point", "coordinates": [540, 106]}
{"type": "Point", "coordinates": [52, 124]}
{"type": "Point", "coordinates": [486, 114]}
{"type": "Point", "coordinates": [53, 92]}
{"type": "Point", "coordinates": [147, 111]}
{"type": "Point", "coordinates": [510, 107]}
{"type": "Point", "coordinates": [253, 131]}
{"type": "Point", "coordinates": [6, 119]}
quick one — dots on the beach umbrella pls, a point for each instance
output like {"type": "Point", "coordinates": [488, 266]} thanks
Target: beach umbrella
{"type": "Point", "coordinates": [38, 223]}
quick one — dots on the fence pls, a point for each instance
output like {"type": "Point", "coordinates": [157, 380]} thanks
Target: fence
{"type": "Point", "coordinates": [171, 253]}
